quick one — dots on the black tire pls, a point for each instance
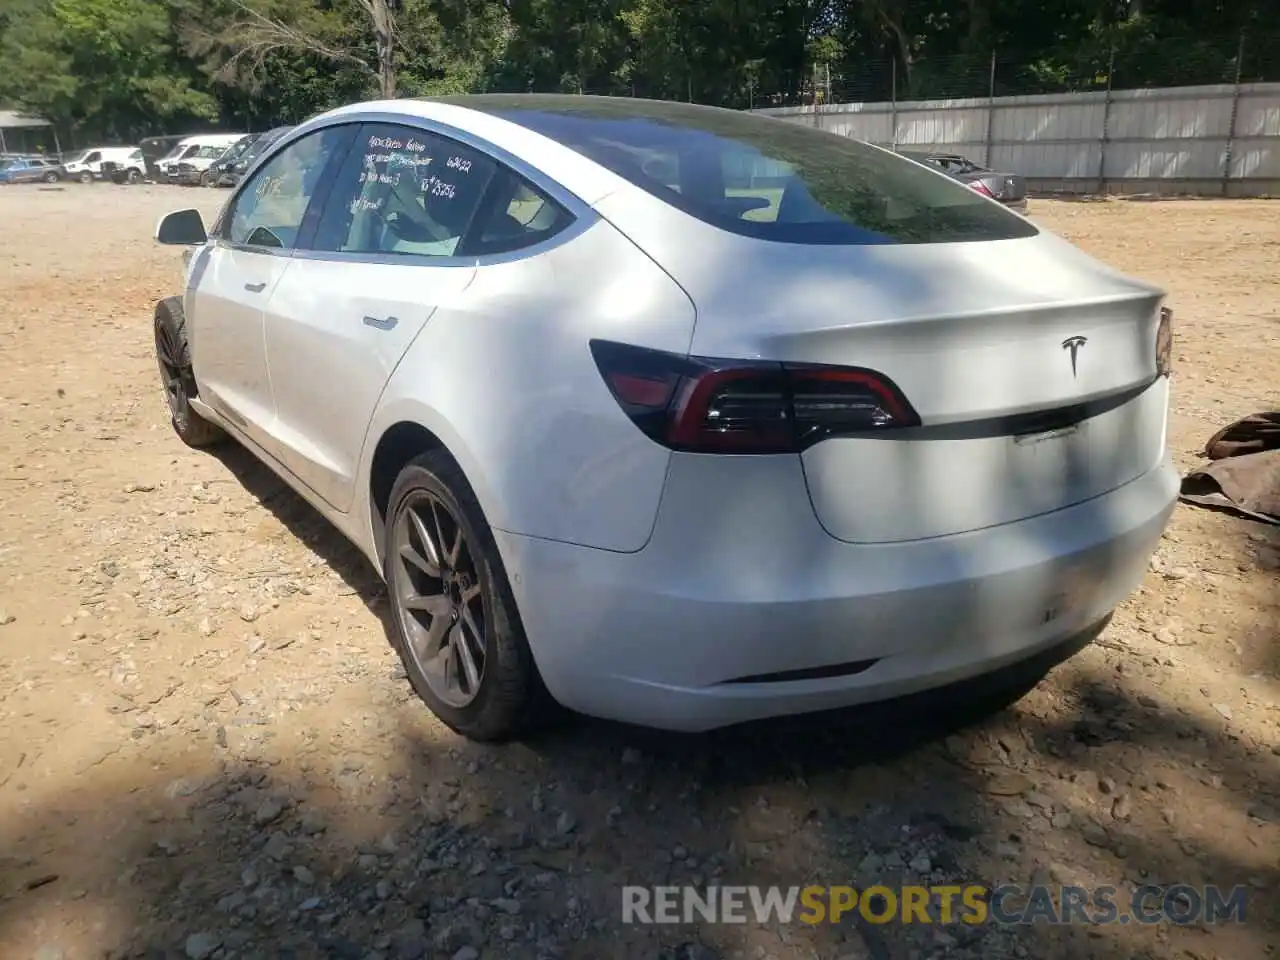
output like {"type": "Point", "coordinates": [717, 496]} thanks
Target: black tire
{"type": "Point", "coordinates": [173, 356]}
{"type": "Point", "coordinates": [510, 699]}
{"type": "Point", "coordinates": [133, 177]}
{"type": "Point", "coordinates": [86, 177]}
{"type": "Point", "coordinates": [51, 177]}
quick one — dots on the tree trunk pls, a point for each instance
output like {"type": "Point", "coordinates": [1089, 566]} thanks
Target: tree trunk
{"type": "Point", "coordinates": [979, 26]}
{"type": "Point", "coordinates": [384, 34]}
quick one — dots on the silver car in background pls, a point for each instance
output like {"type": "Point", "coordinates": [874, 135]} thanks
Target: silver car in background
{"type": "Point", "coordinates": [1009, 188]}
{"type": "Point", "coordinates": [676, 415]}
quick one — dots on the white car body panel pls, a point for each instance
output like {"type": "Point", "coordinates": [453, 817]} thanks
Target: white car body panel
{"type": "Point", "coordinates": [544, 431]}
{"type": "Point", "coordinates": [227, 289]}
{"type": "Point", "coordinates": [648, 641]}
{"type": "Point", "coordinates": [335, 332]}
{"type": "Point", "coordinates": [672, 589]}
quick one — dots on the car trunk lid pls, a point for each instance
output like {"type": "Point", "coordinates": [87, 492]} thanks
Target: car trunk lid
{"type": "Point", "coordinates": [1031, 366]}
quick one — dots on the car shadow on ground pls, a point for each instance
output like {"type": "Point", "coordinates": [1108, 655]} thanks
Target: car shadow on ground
{"type": "Point", "coordinates": [305, 524]}
{"type": "Point", "coordinates": [442, 846]}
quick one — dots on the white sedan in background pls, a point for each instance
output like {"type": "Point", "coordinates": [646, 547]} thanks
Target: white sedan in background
{"type": "Point", "coordinates": [676, 415]}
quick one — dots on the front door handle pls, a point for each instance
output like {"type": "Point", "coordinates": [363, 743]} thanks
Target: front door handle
{"type": "Point", "coordinates": [256, 287]}
{"type": "Point", "coordinates": [379, 323]}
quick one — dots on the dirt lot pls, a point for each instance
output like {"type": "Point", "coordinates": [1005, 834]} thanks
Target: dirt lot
{"type": "Point", "coordinates": [208, 749]}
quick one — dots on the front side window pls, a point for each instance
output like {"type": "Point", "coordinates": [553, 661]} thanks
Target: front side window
{"type": "Point", "coordinates": [268, 212]}
{"type": "Point", "coordinates": [93, 157]}
{"type": "Point", "coordinates": [762, 177]}
{"type": "Point", "coordinates": [404, 191]}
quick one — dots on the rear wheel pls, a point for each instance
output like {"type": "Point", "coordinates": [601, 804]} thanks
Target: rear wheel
{"type": "Point", "coordinates": [174, 358]}
{"type": "Point", "coordinates": [50, 177]}
{"type": "Point", "coordinates": [456, 627]}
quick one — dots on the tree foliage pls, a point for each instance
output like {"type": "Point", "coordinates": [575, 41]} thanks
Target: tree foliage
{"type": "Point", "coordinates": [124, 68]}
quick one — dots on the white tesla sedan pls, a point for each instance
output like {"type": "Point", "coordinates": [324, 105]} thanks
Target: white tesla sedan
{"type": "Point", "coordinates": [682, 416]}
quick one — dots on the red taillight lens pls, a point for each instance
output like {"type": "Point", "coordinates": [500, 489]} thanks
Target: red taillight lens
{"type": "Point", "coordinates": [725, 406]}
{"type": "Point", "coordinates": [979, 187]}
{"type": "Point", "coordinates": [1164, 343]}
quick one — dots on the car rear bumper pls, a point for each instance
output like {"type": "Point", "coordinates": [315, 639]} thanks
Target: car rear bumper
{"type": "Point", "coordinates": [743, 608]}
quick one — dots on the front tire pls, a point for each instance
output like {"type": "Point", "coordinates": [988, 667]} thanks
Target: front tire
{"type": "Point", "coordinates": [455, 623]}
{"type": "Point", "coordinates": [133, 177]}
{"type": "Point", "coordinates": [86, 177]}
{"type": "Point", "coordinates": [173, 354]}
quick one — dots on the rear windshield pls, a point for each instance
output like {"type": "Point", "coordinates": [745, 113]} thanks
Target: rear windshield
{"type": "Point", "coordinates": [762, 177]}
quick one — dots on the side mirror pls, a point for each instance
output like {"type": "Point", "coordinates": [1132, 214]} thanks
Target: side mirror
{"type": "Point", "coordinates": [183, 228]}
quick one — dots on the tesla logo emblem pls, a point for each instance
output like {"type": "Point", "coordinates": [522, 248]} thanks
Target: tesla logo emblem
{"type": "Point", "coordinates": [1074, 344]}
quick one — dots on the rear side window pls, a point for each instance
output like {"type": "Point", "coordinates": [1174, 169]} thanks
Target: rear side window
{"type": "Point", "coordinates": [404, 191]}
{"type": "Point", "coordinates": [515, 214]}
{"type": "Point", "coordinates": [761, 177]}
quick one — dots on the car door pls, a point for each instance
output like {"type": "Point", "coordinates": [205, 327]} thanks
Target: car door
{"type": "Point", "coordinates": [237, 272]}
{"type": "Point", "coordinates": [381, 263]}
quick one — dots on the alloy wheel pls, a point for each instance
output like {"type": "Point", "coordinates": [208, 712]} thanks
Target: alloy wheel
{"type": "Point", "coordinates": [439, 598]}
{"type": "Point", "coordinates": [179, 384]}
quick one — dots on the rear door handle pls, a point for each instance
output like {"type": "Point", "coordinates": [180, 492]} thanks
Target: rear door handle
{"type": "Point", "coordinates": [256, 287]}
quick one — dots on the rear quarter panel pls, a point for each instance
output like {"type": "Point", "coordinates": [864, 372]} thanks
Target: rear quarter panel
{"type": "Point", "coordinates": [505, 378]}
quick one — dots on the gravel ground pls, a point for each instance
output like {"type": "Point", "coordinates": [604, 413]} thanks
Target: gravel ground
{"type": "Point", "coordinates": [209, 750]}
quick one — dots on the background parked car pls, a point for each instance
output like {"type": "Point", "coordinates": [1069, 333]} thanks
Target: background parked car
{"type": "Point", "coordinates": [1009, 188]}
{"type": "Point", "coordinates": [30, 170]}
{"type": "Point", "coordinates": [231, 176]}
{"type": "Point", "coordinates": [218, 169]}
{"type": "Point", "coordinates": [133, 169]}
{"type": "Point", "coordinates": [88, 166]}
{"type": "Point", "coordinates": [198, 152]}
{"type": "Point", "coordinates": [156, 148]}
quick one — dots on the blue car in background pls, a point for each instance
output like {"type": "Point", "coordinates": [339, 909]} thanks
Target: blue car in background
{"type": "Point", "coordinates": [30, 170]}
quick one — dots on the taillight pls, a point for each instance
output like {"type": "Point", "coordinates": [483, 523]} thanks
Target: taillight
{"type": "Point", "coordinates": [705, 405]}
{"type": "Point", "coordinates": [979, 187]}
{"type": "Point", "coordinates": [1164, 343]}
